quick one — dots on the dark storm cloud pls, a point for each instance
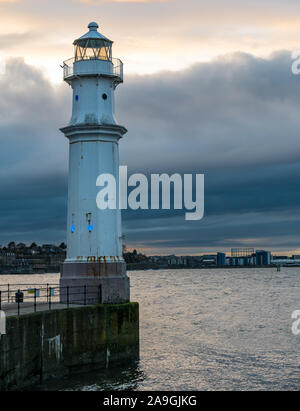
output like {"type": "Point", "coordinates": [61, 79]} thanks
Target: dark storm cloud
{"type": "Point", "coordinates": [237, 110]}
{"type": "Point", "coordinates": [236, 119]}
{"type": "Point", "coordinates": [33, 156]}
{"type": "Point", "coordinates": [220, 232]}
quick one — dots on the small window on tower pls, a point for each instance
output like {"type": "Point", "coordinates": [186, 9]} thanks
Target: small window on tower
{"type": "Point", "coordinates": [104, 96]}
{"type": "Point", "coordinates": [76, 97]}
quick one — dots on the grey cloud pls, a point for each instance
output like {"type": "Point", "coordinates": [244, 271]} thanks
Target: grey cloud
{"type": "Point", "coordinates": [33, 155]}
{"type": "Point", "coordinates": [233, 111]}
{"type": "Point", "coordinates": [236, 119]}
{"type": "Point", "coordinates": [253, 229]}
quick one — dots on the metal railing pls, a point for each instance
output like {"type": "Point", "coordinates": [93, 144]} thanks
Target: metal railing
{"type": "Point", "coordinates": [9, 290]}
{"type": "Point", "coordinates": [117, 69]}
{"type": "Point", "coordinates": [46, 297]}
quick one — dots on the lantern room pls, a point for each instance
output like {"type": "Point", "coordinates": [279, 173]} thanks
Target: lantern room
{"type": "Point", "coordinates": [93, 45]}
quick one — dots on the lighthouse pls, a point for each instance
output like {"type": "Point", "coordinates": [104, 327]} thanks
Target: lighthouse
{"type": "Point", "coordinates": [94, 270]}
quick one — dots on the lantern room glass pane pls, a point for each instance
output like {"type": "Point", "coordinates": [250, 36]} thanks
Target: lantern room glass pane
{"type": "Point", "coordinates": [91, 52]}
{"type": "Point", "coordinates": [78, 53]}
{"type": "Point", "coordinates": [103, 54]}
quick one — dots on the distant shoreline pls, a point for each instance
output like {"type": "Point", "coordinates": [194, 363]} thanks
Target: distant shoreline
{"type": "Point", "coordinates": [211, 267]}
{"type": "Point", "coordinates": [145, 268]}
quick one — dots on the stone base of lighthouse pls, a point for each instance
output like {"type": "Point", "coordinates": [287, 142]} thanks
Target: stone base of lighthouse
{"type": "Point", "coordinates": [94, 283]}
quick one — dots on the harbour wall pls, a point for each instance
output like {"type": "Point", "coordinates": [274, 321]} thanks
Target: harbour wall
{"type": "Point", "coordinates": [57, 343]}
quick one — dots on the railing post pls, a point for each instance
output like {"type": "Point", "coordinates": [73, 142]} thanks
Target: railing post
{"type": "Point", "coordinates": [47, 292]}
{"type": "Point", "coordinates": [85, 295]}
{"type": "Point", "coordinates": [35, 300]}
{"type": "Point", "coordinates": [18, 302]}
{"type": "Point", "coordinates": [8, 293]}
{"type": "Point", "coordinates": [0, 299]}
{"type": "Point", "coordinates": [50, 298]}
{"type": "Point", "coordinates": [68, 301]}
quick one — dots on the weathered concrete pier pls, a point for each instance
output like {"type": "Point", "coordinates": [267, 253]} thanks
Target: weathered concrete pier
{"type": "Point", "coordinates": [61, 342]}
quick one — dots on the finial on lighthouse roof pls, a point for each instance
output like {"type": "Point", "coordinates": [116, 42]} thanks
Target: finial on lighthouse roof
{"type": "Point", "coordinates": [92, 34]}
{"type": "Point", "coordinates": [93, 26]}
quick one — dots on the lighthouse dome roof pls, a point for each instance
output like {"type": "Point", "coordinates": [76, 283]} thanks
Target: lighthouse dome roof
{"type": "Point", "coordinates": [92, 34]}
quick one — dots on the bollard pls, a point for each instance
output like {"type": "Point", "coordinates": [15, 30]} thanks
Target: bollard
{"type": "Point", "coordinates": [19, 296]}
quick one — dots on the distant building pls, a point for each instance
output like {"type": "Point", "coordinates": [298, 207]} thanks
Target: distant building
{"type": "Point", "coordinates": [33, 259]}
{"type": "Point", "coordinates": [285, 260]}
{"type": "Point", "coordinates": [221, 259]}
{"type": "Point", "coordinates": [210, 259]}
{"type": "Point", "coordinates": [280, 257]}
{"type": "Point", "coordinates": [263, 257]}
{"type": "Point", "coordinates": [236, 261]}
{"type": "Point", "coordinates": [242, 252]}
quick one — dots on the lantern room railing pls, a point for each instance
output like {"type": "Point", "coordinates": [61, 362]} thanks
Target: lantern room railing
{"type": "Point", "coordinates": [117, 69]}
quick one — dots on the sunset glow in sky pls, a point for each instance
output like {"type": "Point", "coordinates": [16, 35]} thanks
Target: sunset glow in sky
{"type": "Point", "coordinates": [149, 35]}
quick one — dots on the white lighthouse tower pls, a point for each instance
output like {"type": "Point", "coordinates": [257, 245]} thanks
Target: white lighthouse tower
{"type": "Point", "coordinates": [94, 269]}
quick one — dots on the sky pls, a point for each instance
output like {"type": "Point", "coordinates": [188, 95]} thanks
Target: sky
{"type": "Point", "coordinates": [208, 89]}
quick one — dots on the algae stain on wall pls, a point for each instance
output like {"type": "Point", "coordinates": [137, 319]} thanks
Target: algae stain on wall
{"type": "Point", "coordinates": [55, 347]}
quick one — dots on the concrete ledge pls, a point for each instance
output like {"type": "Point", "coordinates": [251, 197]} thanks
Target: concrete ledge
{"type": "Point", "coordinates": [106, 283]}
{"type": "Point", "coordinates": [57, 343]}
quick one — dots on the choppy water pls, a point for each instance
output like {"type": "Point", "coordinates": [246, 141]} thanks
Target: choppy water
{"type": "Point", "coordinates": [207, 330]}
